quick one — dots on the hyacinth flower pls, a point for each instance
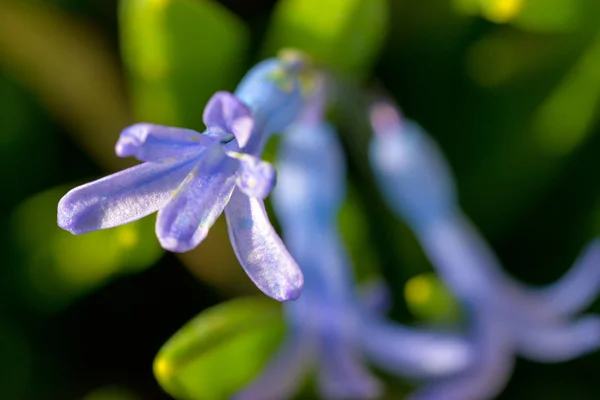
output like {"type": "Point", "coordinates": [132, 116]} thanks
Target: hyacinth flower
{"type": "Point", "coordinates": [190, 178]}
{"type": "Point", "coordinates": [330, 327]}
{"type": "Point", "coordinates": [507, 318]}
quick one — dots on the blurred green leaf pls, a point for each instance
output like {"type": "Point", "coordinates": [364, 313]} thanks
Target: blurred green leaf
{"type": "Point", "coordinates": [345, 35]}
{"type": "Point", "coordinates": [428, 298]}
{"type": "Point", "coordinates": [59, 267]}
{"type": "Point", "coordinates": [549, 16]}
{"type": "Point", "coordinates": [220, 350]}
{"type": "Point", "coordinates": [70, 68]}
{"type": "Point", "coordinates": [531, 15]}
{"type": "Point", "coordinates": [563, 122]}
{"type": "Point", "coordinates": [178, 53]}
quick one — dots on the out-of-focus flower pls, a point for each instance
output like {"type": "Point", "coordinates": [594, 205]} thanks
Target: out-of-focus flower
{"type": "Point", "coordinates": [507, 318]}
{"type": "Point", "coordinates": [329, 326]}
{"type": "Point", "coordinates": [190, 178]}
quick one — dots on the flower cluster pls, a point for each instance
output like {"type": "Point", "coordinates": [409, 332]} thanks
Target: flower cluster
{"type": "Point", "coordinates": [507, 318]}
{"type": "Point", "coordinates": [330, 326]}
{"type": "Point", "coordinates": [191, 178]}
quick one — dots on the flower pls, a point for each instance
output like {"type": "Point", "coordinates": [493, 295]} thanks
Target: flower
{"type": "Point", "coordinates": [329, 326]}
{"type": "Point", "coordinates": [507, 317]}
{"type": "Point", "coordinates": [190, 178]}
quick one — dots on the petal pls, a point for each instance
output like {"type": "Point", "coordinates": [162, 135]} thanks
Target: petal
{"type": "Point", "coordinates": [579, 287]}
{"type": "Point", "coordinates": [558, 342]}
{"type": "Point", "coordinates": [283, 375]}
{"type": "Point", "coordinates": [149, 142]}
{"type": "Point", "coordinates": [259, 249]}
{"type": "Point", "coordinates": [375, 296]}
{"type": "Point", "coordinates": [342, 374]}
{"type": "Point", "coordinates": [256, 178]}
{"type": "Point", "coordinates": [122, 197]}
{"type": "Point", "coordinates": [414, 353]}
{"type": "Point", "coordinates": [225, 113]}
{"type": "Point", "coordinates": [413, 174]}
{"type": "Point", "coordinates": [197, 203]}
{"type": "Point", "coordinates": [488, 372]}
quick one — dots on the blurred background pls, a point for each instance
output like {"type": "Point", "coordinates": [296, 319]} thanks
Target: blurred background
{"type": "Point", "coordinates": [509, 88]}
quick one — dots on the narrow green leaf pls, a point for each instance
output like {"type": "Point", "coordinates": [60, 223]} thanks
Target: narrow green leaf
{"type": "Point", "coordinates": [345, 35]}
{"type": "Point", "coordinates": [220, 350]}
{"type": "Point", "coordinates": [178, 53]}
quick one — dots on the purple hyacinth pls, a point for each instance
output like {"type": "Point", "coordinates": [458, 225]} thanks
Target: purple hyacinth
{"type": "Point", "coordinates": [507, 318]}
{"type": "Point", "coordinates": [329, 327]}
{"type": "Point", "coordinates": [191, 177]}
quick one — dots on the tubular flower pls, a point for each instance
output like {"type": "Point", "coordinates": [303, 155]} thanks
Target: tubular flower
{"type": "Point", "coordinates": [329, 326]}
{"type": "Point", "coordinates": [191, 177]}
{"type": "Point", "coordinates": [508, 318]}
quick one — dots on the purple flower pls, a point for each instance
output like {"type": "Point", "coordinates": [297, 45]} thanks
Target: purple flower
{"type": "Point", "coordinates": [507, 318]}
{"type": "Point", "coordinates": [329, 326]}
{"type": "Point", "coordinates": [190, 178]}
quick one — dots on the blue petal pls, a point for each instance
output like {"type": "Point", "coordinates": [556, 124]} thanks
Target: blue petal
{"type": "Point", "coordinates": [273, 91]}
{"type": "Point", "coordinates": [414, 353]}
{"type": "Point", "coordinates": [225, 113]}
{"type": "Point", "coordinates": [560, 341]}
{"type": "Point", "coordinates": [197, 203]}
{"type": "Point", "coordinates": [311, 172]}
{"type": "Point", "coordinates": [488, 372]}
{"type": "Point", "coordinates": [413, 174]}
{"type": "Point", "coordinates": [256, 178]}
{"type": "Point", "coordinates": [259, 250]}
{"type": "Point", "coordinates": [578, 288]}
{"type": "Point", "coordinates": [342, 374]}
{"type": "Point", "coordinates": [375, 297]}
{"type": "Point", "coordinates": [157, 143]}
{"type": "Point", "coordinates": [122, 197]}
{"type": "Point", "coordinates": [284, 373]}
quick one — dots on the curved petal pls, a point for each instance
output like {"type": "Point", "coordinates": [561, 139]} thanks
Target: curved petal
{"type": "Point", "coordinates": [157, 143]}
{"type": "Point", "coordinates": [260, 250]}
{"type": "Point", "coordinates": [226, 113]}
{"type": "Point", "coordinates": [122, 197]}
{"type": "Point", "coordinates": [342, 374]}
{"type": "Point", "coordinates": [197, 203]}
{"type": "Point", "coordinates": [488, 372]}
{"type": "Point", "coordinates": [559, 342]}
{"type": "Point", "coordinates": [579, 287]}
{"type": "Point", "coordinates": [283, 375]}
{"type": "Point", "coordinates": [409, 352]}
{"type": "Point", "coordinates": [256, 178]}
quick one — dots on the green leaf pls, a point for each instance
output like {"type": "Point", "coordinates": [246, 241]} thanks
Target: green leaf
{"type": "Point", "coordinates": [178, 53]}
{"type": "Point", "coordinates": [550, 16]}
{"type": "Point", "coordinates": [345, 35]}
{"type": "Point", "coordinates": [57, 267]}
{"type": "Point", "coordinates": [220, 350]}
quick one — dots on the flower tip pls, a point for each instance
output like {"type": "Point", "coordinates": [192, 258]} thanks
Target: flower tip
{"type": "Point", "coordinates": [294, 60]}
{"type": "Point", "coordinates": [175, 245]}
{"type": "Point", "coordinates": [125, 147]}
{"type": "Point", "coordinates": [290, 291]}
{"type": "Point", "coordinates": [384, 117]}
{"type": "Point", "coordinates": [68, 217]}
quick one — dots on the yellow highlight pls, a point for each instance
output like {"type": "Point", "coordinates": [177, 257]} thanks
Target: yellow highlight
{"type": "Point", "coordinates": [159, 3]}
{"type": "Point", "coordinates": [418, 290]}
{"type": "Point", "coordinates": [162, 369]}
{"type": "Point", "coordinates": [501, 11]}
{"type": "Point", "coordinates": [127, 236]}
